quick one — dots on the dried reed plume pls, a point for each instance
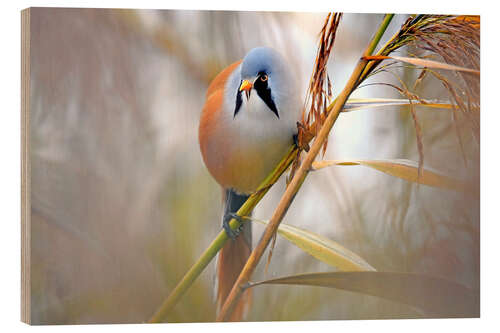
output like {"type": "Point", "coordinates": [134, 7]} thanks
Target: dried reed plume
{"type": "Point", "coordinates": [452, 39]}
{"type": "Point", "coordinates": [319, 94]}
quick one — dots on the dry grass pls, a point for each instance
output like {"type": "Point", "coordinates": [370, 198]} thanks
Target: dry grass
{"type": "Point", "coordinates": [452, 39]}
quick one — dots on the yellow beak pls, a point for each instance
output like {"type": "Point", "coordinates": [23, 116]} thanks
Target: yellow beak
{"type": "Point", "coordinates": [246, 85]}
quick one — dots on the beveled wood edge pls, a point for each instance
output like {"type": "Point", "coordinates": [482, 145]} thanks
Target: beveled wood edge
{"type": "Point", "coordinates": [25, 169]}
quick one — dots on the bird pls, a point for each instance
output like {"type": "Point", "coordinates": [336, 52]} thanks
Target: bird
{"type": "Point", "coordinates": [247, 124]}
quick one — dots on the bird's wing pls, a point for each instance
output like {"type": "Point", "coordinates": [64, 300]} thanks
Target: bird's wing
{"type": "Point", "coordinates": [211, 136]}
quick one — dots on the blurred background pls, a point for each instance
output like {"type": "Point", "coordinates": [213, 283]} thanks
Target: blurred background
{"type": "Point", "coordinates": [122, 204]}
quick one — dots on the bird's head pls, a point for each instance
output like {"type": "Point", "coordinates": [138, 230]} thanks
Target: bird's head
{"type": "Point", "coordinates": [265, 75]}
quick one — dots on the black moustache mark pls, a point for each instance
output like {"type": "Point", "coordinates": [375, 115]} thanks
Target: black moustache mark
{"type": "Point", "coordinates": [238, 103]}
{"type": "Point", "coordinates": [264, 93]}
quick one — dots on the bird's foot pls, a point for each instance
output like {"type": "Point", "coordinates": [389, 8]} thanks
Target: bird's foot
{"type": "Point", "coordinates": [303, 137]}
{"type": "Point", "coordinates": [225, 225]}
{"type": "Point", "coordinates": [296, 140]}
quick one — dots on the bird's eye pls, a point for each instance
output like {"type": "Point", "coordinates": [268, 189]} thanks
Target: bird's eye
{"type": "Point", "coordinates": [263, 77]}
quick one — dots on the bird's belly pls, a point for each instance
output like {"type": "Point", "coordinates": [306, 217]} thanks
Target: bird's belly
{"type": "Point", "coordinates": [250, 163]}
{"type": "Point", "coordinates": [240, 157]}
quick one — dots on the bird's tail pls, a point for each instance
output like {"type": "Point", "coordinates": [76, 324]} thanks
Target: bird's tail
{"type": "Point", "coordinates": [233, 257]}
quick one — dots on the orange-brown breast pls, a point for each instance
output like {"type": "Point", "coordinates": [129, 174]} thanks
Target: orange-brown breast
{"type": "Point", "coordinates": [207, 132]}
{"type": "Point", "coordinates": [210, 134]}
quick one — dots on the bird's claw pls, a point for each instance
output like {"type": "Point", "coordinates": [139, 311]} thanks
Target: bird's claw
{"type": "Point", "coordinates": [303, 137]}
{"type": "Point", "coordinates": [225, 225]}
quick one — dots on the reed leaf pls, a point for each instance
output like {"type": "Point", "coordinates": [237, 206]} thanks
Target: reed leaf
{"type": "Point", "coordinates": [426, 63]}
{"type": "Point", "coordinates": [323, 249]}
{"type": "Point", "coordinates": [404, 169]}
{"type": "Point", "coordinates": [435, 297]}
{"type": "Point", "coordinates": [355, 104]}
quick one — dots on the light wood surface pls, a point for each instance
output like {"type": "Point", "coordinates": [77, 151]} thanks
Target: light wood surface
{"type": "Point", "coordinates": [25, 168]}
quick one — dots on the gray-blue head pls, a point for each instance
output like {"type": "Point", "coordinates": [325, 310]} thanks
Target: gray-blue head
{"type": "Point", "coordinates": [266, 71]}
{"type": "Point", "coordinates": [262, 59]}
